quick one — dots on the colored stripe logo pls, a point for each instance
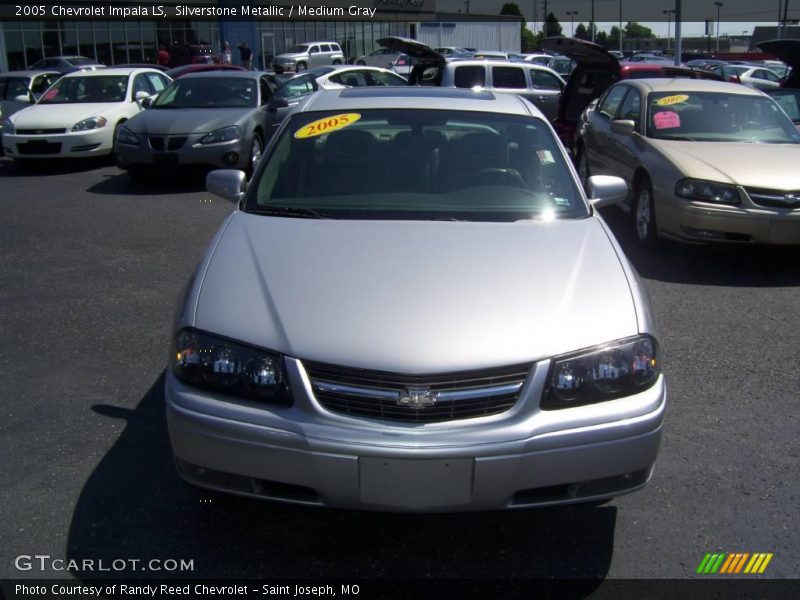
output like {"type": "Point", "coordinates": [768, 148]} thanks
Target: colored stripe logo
{"type": "Point", "coordinates": [734, 563]}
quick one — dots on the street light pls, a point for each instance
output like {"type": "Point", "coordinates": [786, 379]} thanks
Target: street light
{"type": "Point", "coordinates": [571, 14]}
{"type": "Point", "coordinates": [668, 12]}
{"type": "Point", "coordinates": [718, 5]}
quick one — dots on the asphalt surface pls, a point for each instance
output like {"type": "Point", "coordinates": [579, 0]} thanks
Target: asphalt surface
{"type": "Point", "coordinates": [90, 270]}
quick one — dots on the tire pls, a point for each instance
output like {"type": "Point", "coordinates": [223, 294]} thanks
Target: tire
{"type": "Point", "coordinates": [360, 63]}
{"type": "Point", "coordinates": [582, 166]}
{"type": "Point", "coordinates": [644, 214]}
{"type": "Point", "coordinates": [114, 143]}
{"type": "Point", "coordinates": [301, 66]}
{"type": "Point", "coordinates": [337, 62]}
{"type": "Point", "coordinates": [256, 152]}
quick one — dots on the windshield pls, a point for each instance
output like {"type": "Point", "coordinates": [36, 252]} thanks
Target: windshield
{"type": "Point", "coordinates": [416, 164]}
{"type": "Point", "coordinates": [87, 88]}
{"type": "Point", "coordinates": [209, 92]}
{"type": "Point", "coordinates": [11, 87]}
{"type": "Point", "coordinates": [718, 117]}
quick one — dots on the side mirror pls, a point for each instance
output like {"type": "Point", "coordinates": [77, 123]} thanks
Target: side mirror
{"type": "Point", "coordinates": [140, 95]}
{"type": "Point", "coordinates": [146, 102]}
{"type": "Point", "coordinates": [229, 184]}
{"type": "Point", "coordinates": [623, 127]}
{"type": "Point", "coordinates": [22, 98]}
{"type": "Point", "coordinates": [277, 103]}
{"type": "Point", "coordinates": [605, 190]}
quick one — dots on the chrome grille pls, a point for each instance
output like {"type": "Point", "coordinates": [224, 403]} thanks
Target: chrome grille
{"type": "Point", "coordinates": [416, 398]}
{"type": "Point", "coordinates": [774, 198]}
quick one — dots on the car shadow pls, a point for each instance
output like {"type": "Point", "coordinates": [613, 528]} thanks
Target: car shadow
{"type": "Point", "coordinates": [712, 264]}
{"type": "Point", "coordinates": [49, 167]}
{"type": "Point", "coordinates": [134, 505]}
{"type": "Point", "coordinates": [157, 183]}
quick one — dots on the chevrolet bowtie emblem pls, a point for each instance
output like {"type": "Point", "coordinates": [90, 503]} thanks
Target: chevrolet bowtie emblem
{"type": "Point", "coordinates": [417, 397]}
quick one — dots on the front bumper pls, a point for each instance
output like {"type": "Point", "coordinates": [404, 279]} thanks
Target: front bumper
{"type": "Point", "coordinates": [744, 223]}
{"type": "Point", "coordinates": [93, 142]}
{"type": "Point", "coordinates": [224, 155]}
{"type": "Point", "coordinates": [521, 458]}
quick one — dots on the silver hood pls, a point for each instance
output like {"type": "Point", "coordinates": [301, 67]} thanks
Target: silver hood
{"type": "Point", "coordinates": [186, 120]}
{"type": "Point", "coordinates": [415, 296]}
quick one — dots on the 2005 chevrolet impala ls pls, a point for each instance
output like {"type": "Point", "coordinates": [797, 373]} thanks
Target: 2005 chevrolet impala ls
{"type": "Point", "coordinates": [415, 308]}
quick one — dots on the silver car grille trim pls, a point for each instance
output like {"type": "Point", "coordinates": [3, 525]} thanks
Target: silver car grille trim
{"type": "Point", "coordinates": [468, 394]}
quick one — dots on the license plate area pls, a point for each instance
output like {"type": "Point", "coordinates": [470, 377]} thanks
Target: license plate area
{"type": "Point", "coordinates": [415, 483]}
{"type": "Point", "coordinates": [165, 159]}
{"type": "Point", "coordinates": [39, 147]}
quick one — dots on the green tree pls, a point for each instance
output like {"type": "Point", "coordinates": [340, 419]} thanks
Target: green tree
{"type": "Point", "coordinates": [581, 32]}
{"type": "Point", "coordinates": [601, 37]}
{"type": "Point", "coordinates": [527, 39]}
{"type": "Point", "coordinates": [551, 26]}
{"type": "Point", "coordinates": [637, 31]}
{"type": "Point", "coordinates": [613, 38]}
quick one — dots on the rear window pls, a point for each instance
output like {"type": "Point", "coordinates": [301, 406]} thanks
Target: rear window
{"type": "Point", "coordinates": [469, 77]}
{"type": "Point", "coordinates": [508, 77]}
{"type": "Point", "coordinates": [416, 164]}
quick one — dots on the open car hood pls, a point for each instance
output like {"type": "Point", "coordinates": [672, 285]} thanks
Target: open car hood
{"type": "Point", "coordinates": [786, 50]}
{"type": "Point", "coordinates": [417, 50]}
{"type": "Point", "coordinates": [582, 52]}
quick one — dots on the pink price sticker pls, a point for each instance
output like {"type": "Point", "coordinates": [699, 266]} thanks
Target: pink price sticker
{"type": "Point", "coordinates": [666, 119]}
{"type": "Point", "coordinates": [50, 94]}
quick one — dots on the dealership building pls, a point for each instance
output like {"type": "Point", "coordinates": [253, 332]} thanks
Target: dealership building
{"type": "Point", "coordinates": [136, 41]}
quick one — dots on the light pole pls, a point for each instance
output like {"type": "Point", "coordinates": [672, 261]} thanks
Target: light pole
{"type": "Point", "coordinates": [668, 12]}
{"type": "Point", "coordinates": [571, 14]}
{"type": "Point", "coordinates": [591, 25]}
{"type": "Point", "coordinates": [718, 5]}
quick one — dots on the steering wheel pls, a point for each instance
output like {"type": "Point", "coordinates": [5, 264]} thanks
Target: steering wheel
{"type": "Point", "coordinates": [498, 176]}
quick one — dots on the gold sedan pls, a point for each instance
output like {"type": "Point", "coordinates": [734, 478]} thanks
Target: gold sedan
{"type": "Point", "coordinates": [708, 161]}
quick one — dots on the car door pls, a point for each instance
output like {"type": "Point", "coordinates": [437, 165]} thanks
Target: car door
{"type": "Point", "coordinates": [596, 130]}
{"type": "Point", "coordinates": [315, 56]}
{"type": "Point", "coordinates": [623, 155]}
{"type": "Point", "coordinates": [547, 88]}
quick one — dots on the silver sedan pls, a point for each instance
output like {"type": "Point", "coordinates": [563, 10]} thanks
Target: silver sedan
{"type": "Point", "coordinates": [461, 334]}
{"type": "Point", "coordinates": [220, 119]}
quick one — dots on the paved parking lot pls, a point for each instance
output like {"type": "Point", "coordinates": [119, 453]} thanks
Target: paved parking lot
{"type": "Point", "coordinates": [90, 270]}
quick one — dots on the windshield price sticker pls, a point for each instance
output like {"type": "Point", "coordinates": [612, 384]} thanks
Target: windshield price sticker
{"type": "Point", "coordinates": [669, 100]}
{"type": "Point", "coordinates": [666, 119]}
{"type": "Point", "coordinates": [326, 125]}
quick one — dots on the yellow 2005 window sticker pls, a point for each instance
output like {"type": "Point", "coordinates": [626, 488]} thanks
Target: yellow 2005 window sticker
{"type": "Point", "coordinates": [669, 100]}
{"type": "Point", "coordinates": [326, 125]}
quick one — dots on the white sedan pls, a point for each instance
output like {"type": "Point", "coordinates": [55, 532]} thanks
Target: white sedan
{"type": "Point", "coordinates": [333, 77]}
{"type": "Point", "coordinates": [79, 114]}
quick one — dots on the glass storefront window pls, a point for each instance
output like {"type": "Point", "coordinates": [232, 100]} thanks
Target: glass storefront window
{"type": "Point", "coordinates": [69, 40]}
{"type": "Point", "coordinates": [33, 46]}
{"type": "Point", "coordinates": [119, 46]}
{"type": "Point", "coordinates": [52, 43]}
{"type": "Point", "coordinates": [86, 44]}
{"type": "Point", "coordinates": [103, 43]}
{"type": "Point", "coordinates": [14, 50]}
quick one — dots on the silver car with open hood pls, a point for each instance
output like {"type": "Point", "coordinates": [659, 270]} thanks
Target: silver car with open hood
{"type": "Point", "coordinates": [459, 334]}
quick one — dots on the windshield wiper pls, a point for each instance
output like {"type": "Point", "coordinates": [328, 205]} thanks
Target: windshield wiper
{"type": "Point", "coordinates": [289, 211]}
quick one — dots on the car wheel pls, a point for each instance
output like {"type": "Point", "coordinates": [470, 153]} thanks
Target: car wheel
{"type": "Point", "coordinates": [360, 63]}
{"type": "Point", "coordinates": [644, 214]}
{"type": "Point", "coordinates": [256, 150]}
{"type": "Point", "coordinates": [337, 62]}
{"type": "Point", "coordinates": [301, 66]}
{"type": "Point", "coordinates": [583, 167]}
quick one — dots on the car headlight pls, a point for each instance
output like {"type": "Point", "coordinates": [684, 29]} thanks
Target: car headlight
{"type": "Point", "coordinates": [226, 134]}
{"type": "Point", "coordinates": [90, 123]}
{"type": "Point", "coordinates": [8, 126]}
{"type": "Point", "coordinates": [126, 136]}
{"type": "Point", "coordinates": [707, 191]}
{"type": "Point", "coordinates": [208, 361]}
{"type": "Point", "coordinates": [612, 371]}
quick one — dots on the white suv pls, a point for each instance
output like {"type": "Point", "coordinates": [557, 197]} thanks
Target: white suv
{"type": "Point", "coordinates": [310, 54]}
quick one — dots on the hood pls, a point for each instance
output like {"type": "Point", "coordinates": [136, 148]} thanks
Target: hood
{"type": "Point", "coordinates": [771, 166]}
{"type": "Point", "coordinates": [184, 121]}
{"type": "Point", "coordinates": [415, 297]}
{"type": "Point", "coordinates": [582, 52]}
{"type": "Point", "coordinates": [417, 50]}
{"type": "Point", "coordinates": [786, 50]}
{"type": "Point", "coordinates": [54, 116]}
{"type": "Point", "coordinates": [291, 55]}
